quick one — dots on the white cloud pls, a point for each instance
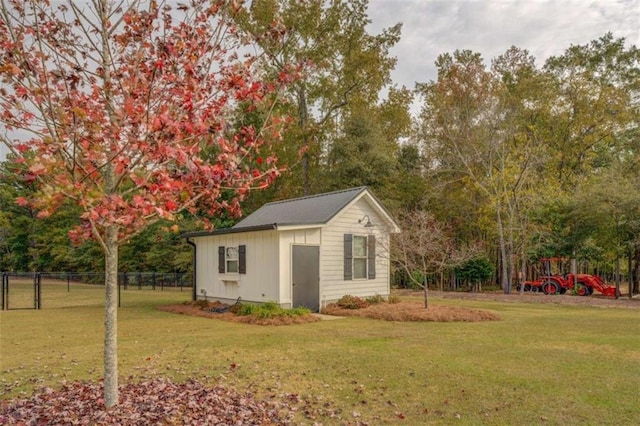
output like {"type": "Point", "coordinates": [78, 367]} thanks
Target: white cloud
{"type": "Point", "coordinates": [545, 28]}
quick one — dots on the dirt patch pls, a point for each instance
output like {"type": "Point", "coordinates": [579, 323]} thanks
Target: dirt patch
{"type": "Point", "coordinates": [414, 311]}
{"type": "Point", "coordinates": [595, 300]}
{"type": "Point", "coordinates": [217, 310]}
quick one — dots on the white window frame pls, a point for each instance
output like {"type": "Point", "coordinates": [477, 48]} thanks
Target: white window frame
{"type": "Point", "coordinates": [231, 257]}
{"type": "Point", "coordinates": [360, 258]}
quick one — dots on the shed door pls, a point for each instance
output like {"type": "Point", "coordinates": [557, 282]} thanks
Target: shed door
{"type": "Point", "coordinates": [306, 276]}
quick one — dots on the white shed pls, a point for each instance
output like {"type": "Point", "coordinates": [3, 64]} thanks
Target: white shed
{"type": "Point", "coordinates": [306, 251]}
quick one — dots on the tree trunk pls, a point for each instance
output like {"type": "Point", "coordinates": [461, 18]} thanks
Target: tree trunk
{"type": "Point", "coordinates": [510, 251]}
{"type": "Point", "coordinates": [303, 119]}
{"type": "Point", "coordinates": [523, 271]}
{"type": "Point", "coordinates": [630, 274]}
{"type": "Point", "coordinates": [110, 244]}
{"type": "Point", "coordinates": [426, 292]}
{"type": "Point", "coordinates": [617, 276]}
{"type": "Point", "coordinates": [636, 269]}
{"type": "Point", "coordinates": [504, 279]}
{"type": "Point", "coordinates": [111, 318]}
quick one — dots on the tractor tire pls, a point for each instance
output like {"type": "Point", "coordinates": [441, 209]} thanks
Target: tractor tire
{"type": "Point", "coordinates": [582, 290]}
{"type": "Point", "coordinates": [527, 287]}
{"type": "Point", "coordinates": [550, 288]}
{"type": "Point", "coordinates": [563, 290]}
{"type": "Point", "coordinates": [518, 287]}
{"type": "Point", "coordinates": [534, 289]}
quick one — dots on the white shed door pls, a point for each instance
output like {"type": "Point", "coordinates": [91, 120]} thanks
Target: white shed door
{"type": "Point", "coordinates": [306, 276]}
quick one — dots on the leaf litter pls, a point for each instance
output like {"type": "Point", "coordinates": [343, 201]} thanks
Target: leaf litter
{"type": "Point", "coordinates": [158, 401]}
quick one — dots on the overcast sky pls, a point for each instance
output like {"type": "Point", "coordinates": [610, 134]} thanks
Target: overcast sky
{"type": "Point", "coordinates": [545, 28]}
{"type": "Point", "coordinates": [490, 27]}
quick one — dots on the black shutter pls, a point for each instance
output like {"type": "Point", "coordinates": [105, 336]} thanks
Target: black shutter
{"type": "Point", "coordinates": [348, 257]}
{"type": "Point", "coordinates": [371, 256]}
{"type": "Point", "coordinates": [221, 259]}
{"type": "Point", "coordinates": [242, 259]}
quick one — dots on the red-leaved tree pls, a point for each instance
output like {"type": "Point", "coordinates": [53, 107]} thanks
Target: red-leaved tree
{"type": "Point", "coordinates": [136, 111]}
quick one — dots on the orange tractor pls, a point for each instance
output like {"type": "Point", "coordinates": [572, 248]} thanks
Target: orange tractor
{"type": "Point", "coordinates": [582, 284]}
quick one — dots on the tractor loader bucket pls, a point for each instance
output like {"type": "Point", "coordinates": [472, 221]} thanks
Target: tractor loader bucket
{"type": "Point", "coordinates": [608, 291]}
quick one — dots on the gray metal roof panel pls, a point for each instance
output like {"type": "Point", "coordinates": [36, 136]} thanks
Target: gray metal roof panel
{"type": "Point", "coordinates": [313, 209]}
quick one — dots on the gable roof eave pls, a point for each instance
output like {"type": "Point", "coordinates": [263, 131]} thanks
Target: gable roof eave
{"type": "Point", "coordinates": [394, 228]}
{"type": "Point", "coordinates": [392, 225]}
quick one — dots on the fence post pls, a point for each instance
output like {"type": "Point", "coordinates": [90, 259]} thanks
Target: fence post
{"type": "Point", "coordinates": [153, 281]}
{"type": "Point", "coordinates": [68, 282]}
{"type": "Point", "coordinates": [6, 296]}
{"type": "Point", "coordinates": [38, 290]}
{"type": "Point", "coordinates": [5, 279]}
{"type": "Point", "coordinates": [35, 290]}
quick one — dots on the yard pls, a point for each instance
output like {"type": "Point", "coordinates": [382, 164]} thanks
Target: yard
{"type": "Point", "coordinates": [541, 363]}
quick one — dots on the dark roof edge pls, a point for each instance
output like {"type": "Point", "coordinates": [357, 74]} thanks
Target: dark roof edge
{"type": "Point", "coordinates": [229, 231]}
{"type": "Point", "coordinates": [324, 194]}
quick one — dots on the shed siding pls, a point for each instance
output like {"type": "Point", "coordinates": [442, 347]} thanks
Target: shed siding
{"type": "Point", "coordinates": [259, 284]}
{"type": "Point", "coordinates": [333, 284]}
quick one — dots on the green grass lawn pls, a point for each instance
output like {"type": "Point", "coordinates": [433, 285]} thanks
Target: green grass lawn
{"type": "Point", "coordinates": [548, 364]}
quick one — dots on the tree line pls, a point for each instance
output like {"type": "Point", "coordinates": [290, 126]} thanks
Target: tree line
{"type": "Point", "coordinates": [507, 160]}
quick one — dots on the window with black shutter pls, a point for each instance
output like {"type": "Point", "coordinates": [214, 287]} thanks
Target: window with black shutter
{"type": "Point", "coordinates": [359, 257]}
{"type": "Point", "coordinates": [232, 260]}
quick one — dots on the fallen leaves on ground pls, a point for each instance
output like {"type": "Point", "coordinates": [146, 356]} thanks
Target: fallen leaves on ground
{"type": "Point", "coordinates": [414, 311]}
{"type": "Point", "coordinates": [158, 401]}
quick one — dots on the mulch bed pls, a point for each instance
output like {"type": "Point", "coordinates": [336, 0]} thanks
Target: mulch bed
{"type": "Point", "coordinates": [401, 311]}
{"type": "Point", "coordinates": [210, 310]}
{"type": "Point", "coordinates": [414, 311]}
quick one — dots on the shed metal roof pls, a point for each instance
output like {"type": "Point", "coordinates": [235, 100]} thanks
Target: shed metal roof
{"type": "Point", "coordinates": [314, 209]}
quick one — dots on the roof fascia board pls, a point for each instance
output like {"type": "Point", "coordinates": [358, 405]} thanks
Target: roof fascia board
{"type": "Point", "coordinates": [229, 231]}
{"type": "Point", "coordinates": [285, 227]}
